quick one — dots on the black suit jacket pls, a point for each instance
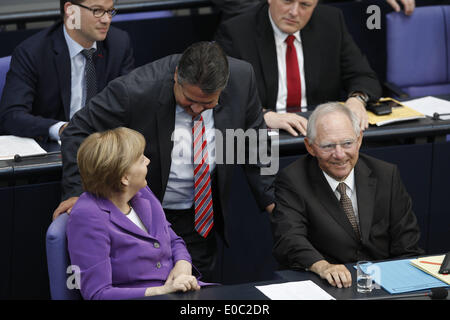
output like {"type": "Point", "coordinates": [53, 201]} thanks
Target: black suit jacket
{"type": "Point", "coordinates": [309, 224]}
{"type": "Point", "coordinates": [38, 85]}
{"type": "Point", "coordinates": [334, 66]}
{"type": "Point", "coordinates": [144, 101]}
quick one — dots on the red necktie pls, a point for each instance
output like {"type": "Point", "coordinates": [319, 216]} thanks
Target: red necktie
{"type": "Point", "coordinates": [294, 87]}
{"type": "Point", "coordinates": [202, 182]}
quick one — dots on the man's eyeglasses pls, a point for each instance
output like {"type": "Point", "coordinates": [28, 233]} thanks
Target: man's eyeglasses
{"type": "Point", "coordinates": [98, 13]}
{"type": "Point", "coordinates": [328, 148]}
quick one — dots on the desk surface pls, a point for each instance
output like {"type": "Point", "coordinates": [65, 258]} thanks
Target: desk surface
{"type": "Point", "coordinates": [417, 128]}
{"type": "Point", "coordinates": [248, 291]}
{"type": "Point", "coordinates": [425, 127]}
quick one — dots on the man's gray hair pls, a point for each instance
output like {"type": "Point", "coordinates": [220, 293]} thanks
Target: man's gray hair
{"type": "Point", "coordinates": [327, 108]}
{"type": "Point", "coordinates": [204, 64]}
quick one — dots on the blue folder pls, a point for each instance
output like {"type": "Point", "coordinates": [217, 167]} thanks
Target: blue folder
{"type": "Point", "coordinates": [400, 276]}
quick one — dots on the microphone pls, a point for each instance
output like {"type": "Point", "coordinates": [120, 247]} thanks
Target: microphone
{"type": "Point", "coordinates": [436, 116]}
{"type": "Point", "coordinates": [19, 158]}
{"type": "Point", "coordinates": [435, 294]}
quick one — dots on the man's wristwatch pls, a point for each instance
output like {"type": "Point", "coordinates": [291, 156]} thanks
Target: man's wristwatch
{"type": "Point", "coordinates": [364, 98]}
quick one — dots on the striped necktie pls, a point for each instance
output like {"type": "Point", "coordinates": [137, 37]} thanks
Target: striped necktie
{"type": "Point", "coordinates": [204, 220]}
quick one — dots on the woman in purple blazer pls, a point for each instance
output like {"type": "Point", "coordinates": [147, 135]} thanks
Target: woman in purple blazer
{"type": "Point", "coordinates": [117, 231]}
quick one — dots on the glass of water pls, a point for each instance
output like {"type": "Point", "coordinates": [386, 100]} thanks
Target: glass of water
{"type": "Point", "coordinates": [364, 276]}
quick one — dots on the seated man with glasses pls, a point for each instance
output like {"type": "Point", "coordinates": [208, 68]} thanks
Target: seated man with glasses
{"type": "Point", "coordinates": [55, 72]}
{"type": "Point", "coordinates": [336, 205]}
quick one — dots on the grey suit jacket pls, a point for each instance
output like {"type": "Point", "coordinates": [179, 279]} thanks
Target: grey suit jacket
{"type": "Point", "coordinates": [309, 225]}
{"type": "Point", "coordinates": [144, 101]}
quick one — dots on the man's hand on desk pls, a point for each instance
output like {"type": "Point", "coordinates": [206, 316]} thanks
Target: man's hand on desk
{"type": "Point", "coordinates": [290, 122]}
{"type": "Point", "coordinates": [65, 206]}
{"type": "Point", "coordinates": [336, 274]}
{"type": "Point", "coordinates": [358, 108]}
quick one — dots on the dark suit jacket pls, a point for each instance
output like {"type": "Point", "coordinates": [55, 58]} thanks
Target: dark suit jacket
{"type": "Point", "coordinates": [38, 85]}
{"type": "Point", "coordinates": [332, 61]}
{"type": "Point", "coordinates": [309, 224]}
{"type": "Point", "coordinates": [144, 101]}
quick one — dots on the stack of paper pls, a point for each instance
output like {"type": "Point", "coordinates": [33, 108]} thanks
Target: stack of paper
{"type": "Point", "coordinates": [398, 114]}
{"type": "Point", "coordinates": [400, 276]}
{"type": "Point", "coordinates": [431, 265]}
{"type": "Point", "coordinates": [429, 105]}
{"type": "Point", "coordinates": [297, 290]}
{"type": "Point", "coordinates": [12, 145]}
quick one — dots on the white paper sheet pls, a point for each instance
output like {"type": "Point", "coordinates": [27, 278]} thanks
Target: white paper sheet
{"type": "Point", "coordinates": [297, 290]}
{"type": "Point", "coordinates": [429, 105]}
{"type": "Point", "coordinates": [12, 145]}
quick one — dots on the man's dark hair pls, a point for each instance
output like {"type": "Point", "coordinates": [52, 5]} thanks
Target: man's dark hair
{"type": "Point", "coordinates": [204, 64]}
{"type": "Point", "coordinates": [62, 2]}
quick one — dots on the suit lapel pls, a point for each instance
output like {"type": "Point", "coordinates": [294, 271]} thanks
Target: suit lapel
{"type": "Point", "coordinates": [63, 68]}
{"type": "Point", "coordinates": [166, 125]}
{"type": "Point", "coordinates": [311, 60]}
{"type": "Point", "coordinates": [266, 48]}
{"type": "Point", "coordinates": [143, 209]}
{"type": "Point", "coordinates": [100, 59]}
{"type": "Point", "coordinates": [222, 121]}
{"type": "Point", "coordinates": [119, 219]}
{"type": "Point", "coordinates": [328, 199]}
{"type": "Point", "coordinates": [365, 194]}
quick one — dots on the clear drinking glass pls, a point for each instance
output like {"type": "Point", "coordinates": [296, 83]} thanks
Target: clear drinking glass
{"type": "Point", "coordinates": [364, 276]}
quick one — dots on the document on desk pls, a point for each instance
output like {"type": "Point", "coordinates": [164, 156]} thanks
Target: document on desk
{"type": "Point", "coordinates": [429, 105]}
{"type": "Point", "coordinates": [431, 265]}
{"type": "Point", "coordinates": [12, 145]}
{"type": "Point", "coordinates": [400, 276]}
{"type": "Point", "coordinates": [296, 290]}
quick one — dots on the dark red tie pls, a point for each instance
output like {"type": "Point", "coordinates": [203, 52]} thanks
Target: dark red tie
{"type": "Point", "coordinates": [202, 182]}
{"type": "Point", "coordinates": [294, 86]}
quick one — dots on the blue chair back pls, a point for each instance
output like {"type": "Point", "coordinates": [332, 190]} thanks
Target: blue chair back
{"type": "Point", "coordinates": [142, 15]}
{"type": "Point", "coordinates": [58, 260]}
{"type": "Point", "coordinates": [4, 67]}
{"type": "Point", "coordinates": [418, 46]}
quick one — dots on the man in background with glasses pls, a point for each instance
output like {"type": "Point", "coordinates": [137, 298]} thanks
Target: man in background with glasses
{"type": "Point", "coordinates": [54, 73]}
{"type": "Point", "coordinates": [336, 205]}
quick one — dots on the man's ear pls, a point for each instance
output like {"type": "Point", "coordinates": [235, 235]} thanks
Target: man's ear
{"type": "Point", "coordinates": [175, 76]}
{"type": "Point", "coordinates": [359, 140]}
{"type": "Point", "coordinates": [309, 147]}
{"type": "Point", "coordinates": [66, 7]}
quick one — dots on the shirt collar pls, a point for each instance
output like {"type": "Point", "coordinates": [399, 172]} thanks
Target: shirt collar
{"type": "Point", "coordinates": [205, 114]}
{"type": "Point", "coordinates": [281, 36]}
{"type": "Point", "coordinates": [74, 47]}
{"type": "Point", "coordinates": [349, 181]}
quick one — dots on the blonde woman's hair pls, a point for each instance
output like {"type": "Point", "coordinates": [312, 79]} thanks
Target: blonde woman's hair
{"type": "Point", "coordinates": [104, 158]}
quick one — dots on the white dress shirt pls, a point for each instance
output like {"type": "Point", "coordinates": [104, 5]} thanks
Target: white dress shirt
{"type": "Point", "coordinates": [179, 193]}
{"type": "Point", "coordinates": [133, 216]}
{"type": "Point", "coordinates": [77, 83]}
{"type": "Point", "coordinates": [281, 47]}
{"type": "Point", "coordinates": [350, 189]}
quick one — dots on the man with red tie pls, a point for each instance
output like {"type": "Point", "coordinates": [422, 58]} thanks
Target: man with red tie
{"type": "Point", "coordinates": [303, 55]}
{"type": "Point", "coordinates": [181, 104]}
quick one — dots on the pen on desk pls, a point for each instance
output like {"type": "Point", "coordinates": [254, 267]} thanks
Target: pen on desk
{"type": "Point", "coordinates": [435, 263]}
